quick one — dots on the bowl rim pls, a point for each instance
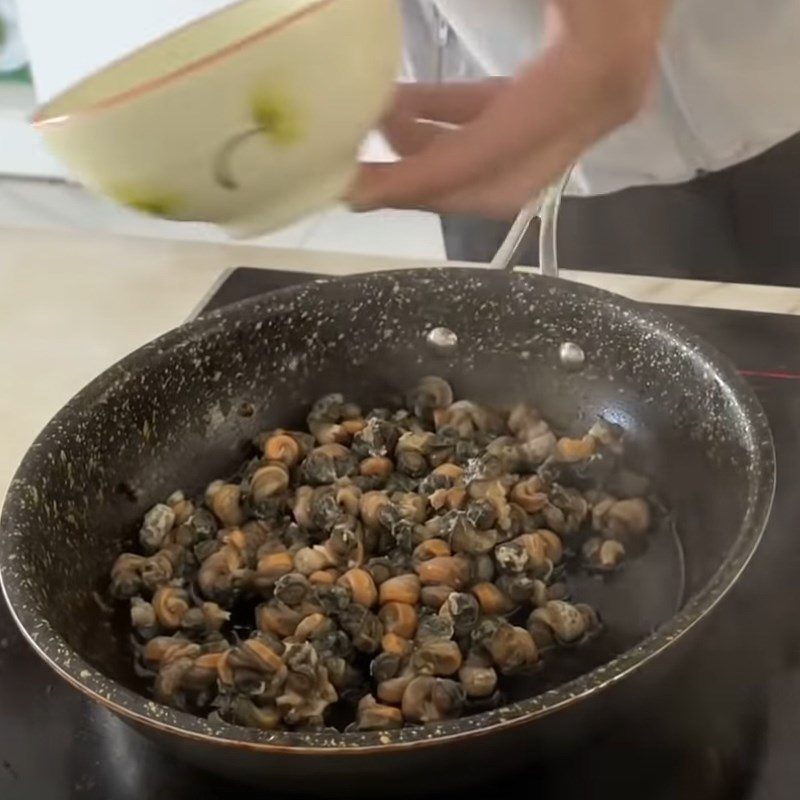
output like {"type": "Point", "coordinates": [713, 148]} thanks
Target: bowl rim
{"type": "Point", "coordinates": [141, 710]}
{"type": "Point", "coordinates": [41, 117]}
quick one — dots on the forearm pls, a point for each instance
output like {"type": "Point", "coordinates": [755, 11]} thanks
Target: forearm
{"type": "Point", "coordinates": [554, 110]}
{"type": "Point", "coordinates": [591, 77]}
{"type": "Point", "coordinates": [513, 138]}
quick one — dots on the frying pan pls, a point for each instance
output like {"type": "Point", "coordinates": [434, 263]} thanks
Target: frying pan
{"type": "Point", "coordinates": [182, 411]}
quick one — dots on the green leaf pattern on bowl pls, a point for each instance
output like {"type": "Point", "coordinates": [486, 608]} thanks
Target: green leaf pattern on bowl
{"type": "Point", "coordinates": [155, 203]}
{"type": "Point", "coordinates": [277, 117]}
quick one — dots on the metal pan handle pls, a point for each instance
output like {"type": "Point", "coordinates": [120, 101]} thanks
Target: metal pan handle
{"type": "Point", "coordinates": [546, 206]}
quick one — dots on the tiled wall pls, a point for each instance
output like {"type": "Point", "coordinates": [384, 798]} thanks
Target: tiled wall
{"type": "Point", "coordinates": [55, 204]}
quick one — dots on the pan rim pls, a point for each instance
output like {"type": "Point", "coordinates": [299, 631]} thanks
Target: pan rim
{"type": "Point", "coordinates": [138, 709]}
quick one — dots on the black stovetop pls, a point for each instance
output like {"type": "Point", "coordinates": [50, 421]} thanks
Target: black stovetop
{"type": "Point", "coordinates": [726, 726]}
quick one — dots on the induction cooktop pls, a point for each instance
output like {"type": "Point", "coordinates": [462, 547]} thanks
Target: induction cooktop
{"type": "Point", "coordinates": [726, 725]}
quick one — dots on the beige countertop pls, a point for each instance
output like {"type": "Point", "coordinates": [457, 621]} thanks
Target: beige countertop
{"type": "Point", "coordinates": [73, 304]}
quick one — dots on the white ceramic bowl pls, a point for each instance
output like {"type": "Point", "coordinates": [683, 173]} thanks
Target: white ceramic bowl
{"type": "Point", "coordinates": [248, 118]}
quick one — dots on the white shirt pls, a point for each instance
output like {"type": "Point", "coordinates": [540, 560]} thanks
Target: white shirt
{"type": "Point", "coordinates": [728, 83]}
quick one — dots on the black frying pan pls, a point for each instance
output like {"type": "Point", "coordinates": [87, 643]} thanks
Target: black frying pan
{"type": "Point", "coordinates": [177, 413]}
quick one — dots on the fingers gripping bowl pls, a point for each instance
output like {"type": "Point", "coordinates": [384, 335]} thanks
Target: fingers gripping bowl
{"type": "Point", "coordinates": [179, 412]}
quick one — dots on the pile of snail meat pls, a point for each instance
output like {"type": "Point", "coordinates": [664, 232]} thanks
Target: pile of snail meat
{"type": "Point", "coordinates": [384, 568]}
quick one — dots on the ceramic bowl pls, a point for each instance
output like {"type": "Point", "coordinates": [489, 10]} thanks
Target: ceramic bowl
{"type": "Point", "coordinates": [248, 118]}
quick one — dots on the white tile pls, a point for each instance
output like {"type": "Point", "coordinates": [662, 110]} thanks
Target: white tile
{"type": "Point", "coordinates": [402, 234]}
{"type": "Point", "coordinates": [18, 209]}
{"type": "Point", "coordinates": [65, 206]}
{"type": "Point", "coordinates": [131, 224]}
{"type": "Point", "coordinates": [17, 99]}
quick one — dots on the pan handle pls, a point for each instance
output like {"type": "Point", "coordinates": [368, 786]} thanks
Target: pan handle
{"type": "Point", "coordinates": [546, 206]}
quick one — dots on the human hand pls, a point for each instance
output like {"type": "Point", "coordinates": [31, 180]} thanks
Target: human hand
{"type": "Point", "coordinates": [488, 147]}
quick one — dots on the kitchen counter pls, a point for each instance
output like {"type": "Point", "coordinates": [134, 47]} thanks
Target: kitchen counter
{"type": "Point", "coordinates": [72, 304]}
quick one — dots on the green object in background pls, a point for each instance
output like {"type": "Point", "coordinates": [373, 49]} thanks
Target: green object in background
{"type": "Point", "coordinates": [13, 59]}
{"type": "Point", "coordinates": [21, 75]}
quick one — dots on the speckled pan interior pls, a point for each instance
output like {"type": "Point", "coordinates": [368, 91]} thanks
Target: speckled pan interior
{"type": "Point", "coordinates": [171, 415]}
